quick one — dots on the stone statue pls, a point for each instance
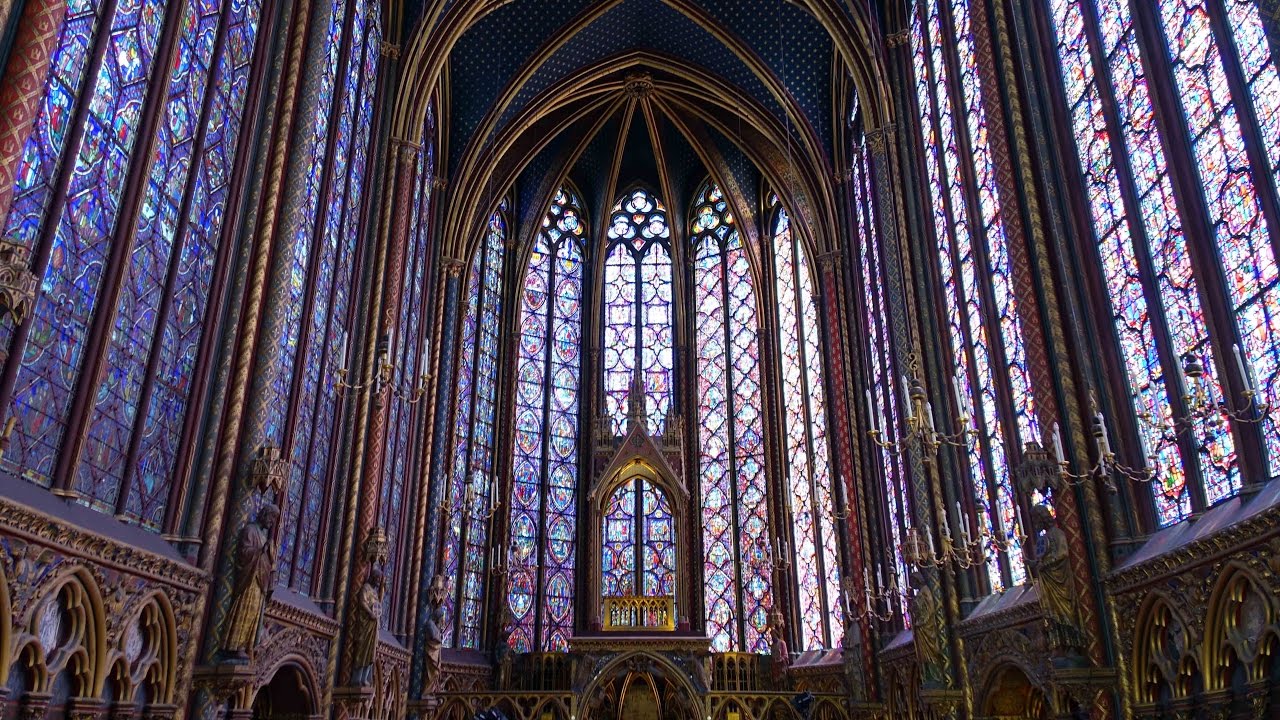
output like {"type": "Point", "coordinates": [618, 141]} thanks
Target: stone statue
{"type": "Point", "coordinates": [1052, 569]}
{"type": "Point", "coordinates": [926, 626]}
{"type": "Point", "coordinates": [779, 652]}
{"type": "Point", "coordinates": [434, 628]}
{"type": "Point", "coordinates": [365, 617]}
{"type": "Point", "coordinates": [502, 654]}
{"type": "Point", "coordinates": [255, 561]}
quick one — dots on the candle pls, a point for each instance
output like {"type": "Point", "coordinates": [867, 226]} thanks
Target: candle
{"type": "Point", "coordinates": [871, 411]}
{"type": "Point", "coordinates": [961, 408]}
{"type": "Point", "coordinates": [1104, 444]}
{"type": "Point", "coordinates": [840, 492]}
{"type": "Point", "coordinates": [346, 345]}
{"type": "Point", "coordinates": [1057, 444]}
{"type": "Point", "coordinates": [1246, 372]}
{"type": "Point", "coordinates": [960, 518]}
{"type": "Point", "coordinates": [946, 526]}
{"type": "Point", "coordinates": [879, 576]}
{"type": "Point", "coordinates": [906, 398]}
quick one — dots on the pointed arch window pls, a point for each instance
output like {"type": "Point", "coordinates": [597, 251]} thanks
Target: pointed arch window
{"type": "Point", "coordinates": [472, 478]}
{"type": "Point", "coordinates": [638, 306]}
{"type": "Point", "coordinates": [881, 395]}
{"type": "Point", "coordinates": [120, 196]}
{"type": "Point", "coordinates": [984, 330]}
{"type": "Point", "coordinates": [407, 416]}
{"type": "Point", "coordinates": [1221, 125]}
{"type": "Point", "coordinates": [320, 313]}
{"type": "Point", "coordinates": [543, 522]}
{"type": "Point", "coordinates": [735, 515]}
{"type": "Point", "coordinates": [638, 542]}
{"type": "Point", "coordinates": [809, 481]}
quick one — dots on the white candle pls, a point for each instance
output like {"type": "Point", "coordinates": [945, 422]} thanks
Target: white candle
{"type": "Point", "coordinates": [1057, 444]}
{"type": "Point", "coordinates": [346, 345]}
{"type": "Point", "coordinates": [879, 576]}
{"type": "Point", "coordinates": [1246, 374]}
{"type": "Point", "coordinates": [871, 411]}
{"type": "Point", "coordinates": [961, 408]}
{"type": "Point", "coordinates": [946, 525]}
{"type": "Point", "coordinates": [1104, 444]}
{"type": "Point", "coordinates": [906, 398]}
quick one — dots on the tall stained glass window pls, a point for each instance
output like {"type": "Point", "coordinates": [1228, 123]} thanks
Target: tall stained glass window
{"type": "Point", "coordinates": [735, 513]}
{"type": "Point", "coordinates": [816, 556]}
{"type": "Point", "coordinates": [321, 304]}
{"type": "Point", "coordinates": [407, 412]}
{"type": "Point", "coordinates": [472, 480]}
{"type": "Point", "coordinates": [638, 310]}
{"type": "Point", "coordinates": [881, 395]}
{"type": "Point", "coordinates": [106, 124]}
{"type": "Point", "coordinates": [545, 446]}
{"type": "Point", "coordinates": [638, 548]}
{"type": "Point", "coordinates": [1222, 125]}
{"type": "Point", "coordinates": [990, 376]}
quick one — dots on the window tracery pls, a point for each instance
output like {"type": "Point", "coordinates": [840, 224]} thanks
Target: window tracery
{"type": "Point", "coordinates": [735, 516]}
{"type": "Point", "coordinates": [543, 522]}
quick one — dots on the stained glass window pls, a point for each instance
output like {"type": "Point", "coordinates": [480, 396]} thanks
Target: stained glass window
{"type": "Point", "coordinates": [984, 330]}
{"type": "Point", "coordinates": [816, 557]}
{"type": "Point", "coordinates": [545, 445]}
{"type": "Point", "coordinates": [735, 516]}
{"type": "Point", "coordinates": [1226, 93]}
{"type": "Point", "coordinates": [181, 142]}
{"type": "Point", "coordinates": [638, 550]}
{"type": "Point", "coordinates": [406, 414]}
{"type": "Point", "coordinates": [325, 315]}
{"type": "Point", "coordinates": [638, 310]}
{"type": "Point", "coordinates": [473, 478]}
{"type": "Point", "coordinates": [881, 396]}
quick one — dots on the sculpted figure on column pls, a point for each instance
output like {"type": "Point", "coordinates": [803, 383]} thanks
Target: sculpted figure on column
{"type": "Point", "coordinates": [255, 562]}
{"type": "Point", "coordinates": [926, 626]}
{"type": "Point", "coordinates": [1052, 569]}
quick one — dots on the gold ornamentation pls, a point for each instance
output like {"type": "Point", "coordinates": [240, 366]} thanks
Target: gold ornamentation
{"type": "Point", "coordinates": [17, 283]}
{"type": "Point", "coordinates": [638, 86]}
{"type": "Point", "coordinates": [267, 470]}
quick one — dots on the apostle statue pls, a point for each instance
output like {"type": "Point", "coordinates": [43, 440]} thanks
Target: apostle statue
{"type": "Point", "coordinates": [434, 629]}
{"type": "Point", "coordinates": [365, 616]}
{"type": "Point", "coordinates": [255, 561]}
{"type": "Point", "coordinates": [926, 628]}
{"type": "Point", "coordinates": [1052, 569]}
{"type": "Point", "coordinates": [779, 653]}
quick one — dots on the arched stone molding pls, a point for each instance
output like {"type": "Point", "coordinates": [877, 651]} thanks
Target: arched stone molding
{"type": "Point", "coordinates": [1240, 618]}
{"type": "Point", "coordinates": [627, 663]}
{"type": "Point", "coordinates": [1165, 656]}
{"type": "Point", "coordinates": [63, 630]}
{"type": "Point", "coordinates": [1008, 692]}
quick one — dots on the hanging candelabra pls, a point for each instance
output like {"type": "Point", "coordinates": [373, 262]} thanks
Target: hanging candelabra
{"type": "Point", "coordinates": [918, 423]}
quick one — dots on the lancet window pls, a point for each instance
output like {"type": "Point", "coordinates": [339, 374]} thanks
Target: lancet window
{"type": "Point", "coordinates": [990, 380]}
{"type": "Point", "coordinates": [473, 480]}
{"type": "Point", "coordinates": [809, 482]}
{"type": "Point", "coordinates": [543, 524]}
{"type": "Point", "coordinates": [638, 331]}
{"type": "Point", "coordinates": [1180, 198]}
{"type": "Point", "coordinates": [737, 589]}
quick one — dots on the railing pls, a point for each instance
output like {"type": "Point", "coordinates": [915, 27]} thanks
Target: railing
{"type": "Point", "coordinates": [639, 613]}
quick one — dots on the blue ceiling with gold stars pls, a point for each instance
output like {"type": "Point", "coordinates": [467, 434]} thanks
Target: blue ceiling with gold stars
{"type": "Point", "coordinates": [534, 39]}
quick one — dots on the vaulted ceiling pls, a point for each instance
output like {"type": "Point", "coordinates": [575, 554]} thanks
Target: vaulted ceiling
{"type": "Point", "coordinates": [607, 93]}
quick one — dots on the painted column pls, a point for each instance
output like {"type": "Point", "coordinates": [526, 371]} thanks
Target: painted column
{"type": "Point", "coordinates": [860, 672]}
{"type": "Point", "coordinates": [436, 477]}
{"type": "Point", "coordinates": [404, 160]}
{"type": "Point", "coordinates": [23, 85]}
